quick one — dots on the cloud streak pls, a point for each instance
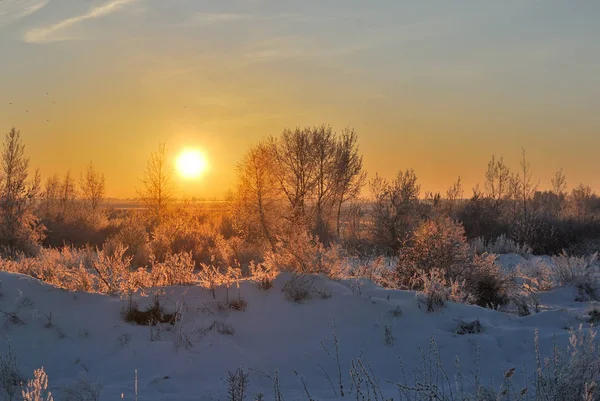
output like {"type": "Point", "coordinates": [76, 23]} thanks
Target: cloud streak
{"type": "Point", "coordinates": [50, 33]}
{"type": "Point", "coordinates": [14, 10]}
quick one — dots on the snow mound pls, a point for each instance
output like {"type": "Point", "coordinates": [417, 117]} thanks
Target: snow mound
{"type": "Point", "coordinates": [75, 335]}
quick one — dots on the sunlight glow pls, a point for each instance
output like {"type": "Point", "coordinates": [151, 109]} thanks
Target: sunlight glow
{"type": "Point", "coordinates": [191, 164]}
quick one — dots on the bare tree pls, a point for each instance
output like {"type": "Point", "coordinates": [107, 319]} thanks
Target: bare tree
{"type": "Point", "coordinates": [295, 167]}
{"type": "Point", "coordinates": [257, 195]}
{"type": "Point", "coordinates": [453, 194]}
{"type": "Point", "coordinates": [93, 188]}
{"type": "Point", "coordinates": [68, 197]}
{"type": "Point", "coordinates": [395, 206]}
{"type": "Point", "coordinates": [527, 185]}
{"type": "Point", "coordinates": [559, 184]}
{"type": "Point", "coordinates": [324, 148]}
{"type": "Point", "coordinates": [349, 174]}
{"type": "Point", "coordinates": [50, 195]}
{"type": "Point", "coordinates": [157, 187]}
{"type": "Point", "coordinates": [20, 230]}
{"type": "Point", "coordinates": [497, 179]}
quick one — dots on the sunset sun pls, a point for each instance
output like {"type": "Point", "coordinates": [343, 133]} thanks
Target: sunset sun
{"type": "Point", "coordinates": [191, 164]}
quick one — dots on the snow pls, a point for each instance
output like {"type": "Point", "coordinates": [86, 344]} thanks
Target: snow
{"type": "Point", "coordinates": [90, 339]}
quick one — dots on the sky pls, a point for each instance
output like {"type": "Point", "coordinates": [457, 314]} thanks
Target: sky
{"type": "Point", "coordinates": [437, 86]}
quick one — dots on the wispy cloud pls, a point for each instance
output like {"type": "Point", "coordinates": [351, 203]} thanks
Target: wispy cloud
{"type": "Point", "coordinates": [14, 10]}
{"type": "Point", "coordinates": [224, 18]}
{"type": "Point", "coordinates": [51, 33]}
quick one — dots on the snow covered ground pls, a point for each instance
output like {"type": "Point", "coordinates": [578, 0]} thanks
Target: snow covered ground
{"type": "Point", "coordinates": [87, 337]}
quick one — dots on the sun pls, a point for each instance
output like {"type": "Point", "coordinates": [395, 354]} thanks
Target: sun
{"type": "Point", "coordinates": [191, 164]}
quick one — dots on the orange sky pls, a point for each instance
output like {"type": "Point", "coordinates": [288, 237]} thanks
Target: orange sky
{"type": "Point", "coordinates": [436, 89]}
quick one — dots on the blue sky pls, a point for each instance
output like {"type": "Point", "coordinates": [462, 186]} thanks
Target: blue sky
{"type": "Point", "coordinates": [438, 86]}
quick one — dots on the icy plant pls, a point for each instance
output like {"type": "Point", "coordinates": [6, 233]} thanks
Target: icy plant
{"type": "Point", "coordinates": [582, 272]}
{"type": "Point", "coordinates": [177, 269]}
{"type": "Point", "coordinates": [298, 288]}
{"type": "Point", "coordinates": [536, 275]}
{"type": "Point", "coordinates": [334, 354]}
{"type": "Point", "coordinates": [501, 245]}
{"type": "Point", "coordinates": [263, 275]}
{"type": "Point", "coordinates": [82, 390]}
{"type": "Point", "coordinates": [375, 270]}
{"type": "Point", "coordinates": [437, 290]}
{"type": "Point", "coordinates": [570, 375]}
{"type": "Point", "coordinates": [237, 385]}
{"type": "Point", "coordinates": [210, 277]}
{"type": "Point", "coordinates": [37, 388]}
{"type": "Point", "coordinates": [304, 254]}
{"type": "Point", "coordinates": [10, 376]}
{"type": "Point", "coordinates": [473, 327]}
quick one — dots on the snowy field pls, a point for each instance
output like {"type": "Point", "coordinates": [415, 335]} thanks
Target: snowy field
{"type": "Point", "coordinates": [80, 336]}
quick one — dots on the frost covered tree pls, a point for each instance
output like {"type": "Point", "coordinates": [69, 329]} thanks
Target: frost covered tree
{"type": "Point", "coordinates": [497, 180]}
{"type": "Point", "coordinates": [157, 185]}
{"type": "Point", "coordinates": [559, 184]}
{"type": "Point", "coordinates": [395, 208]}
{"type": "Point", "coordinates": [324, 148]}
{"type": "Point", "coordinates": [527, 185]}
{"type": "Point", "coordinates": [349, 174]}
{"type": "Point", "coordinates": [20, 230]}
{"type": "Point", "coordinates": [257, 201]}
{"type": "Point", "coordinates": [295, 168]}
{"type": "Point", "coordinates": [93, 187]}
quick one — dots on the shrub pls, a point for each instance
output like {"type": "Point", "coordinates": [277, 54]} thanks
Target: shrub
{"type": "Point", "coordinates": [437, 290]}
{"type": "Point", "coordinates": [152, 316]}
{"type": "Point", "coordinates": [131, 234]}
{"type": "Point", "coordinates": [487, 283]}
{"type": "Point", "coordinates": [436, 244]}
{"type": "Point", "coordinates": [501, 245]}
{"type": "Point", "coordinates": [238, 304]}
{"type": "Point", "coordinates": [185, 232]}
{"type": "Point", "coordinates": [263, 275]}
{"type": "Point", "coordinates": [298, 288]}
{"type": "Point", "coordinates": [569, 376]}
{"type": "Point", "coordinates": [536, 275]}
{"type": "Point", "coordinates": [473, 327]}
{"type": "Point", "coordinates": [37, 389]}
{"type": "Point", "coordinates": [82, 390]}
{"type": "Point", "coordinates": [177, 269]}
{"type": "Point", "coordinates": [582, 272]}
{"type": "Point", "coordinates": [10, 375]}
{"type": "Point", "coordinates": [440, 245]}
{"type": "Point", "coordinates": [375, 270]}
{"type": "Point", "coordinates": [304, 254]}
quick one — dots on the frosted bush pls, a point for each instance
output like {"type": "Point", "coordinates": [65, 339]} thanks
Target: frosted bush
{"type": "Point", "coordinates": [501, 245]}
{"type": "Point", "coordinates": [582, 272]}
{"type": "Point", "coordinates": [177, 269]}
{"type": "Point", "coordinates": [376, 270]}
{"type": "Point", "coordinates": [304, 254]}
{"type": "Point", "coordinates": [37, 388]}
{"type": "Point", "coordinates": [535, 275]}
{"type": "Point", "coordinates": [437, 290]}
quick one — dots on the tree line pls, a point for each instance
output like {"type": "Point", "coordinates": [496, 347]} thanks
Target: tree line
{"type": "Point", "coordinates": [305, 179]}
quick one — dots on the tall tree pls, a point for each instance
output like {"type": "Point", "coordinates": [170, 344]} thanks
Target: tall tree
{"type": "Point", "coordinates": [497, 179]}
{"type": "Point", "coordinates": [324, 148]}
{"type": "Point", "coordinates": [295, 168]}
{"type": "Point", "coordinates": [559, 184]}
{"type": "Point", "coordinates": [257, 198]}
{"type": "Point", "coordinates": [20, 230]}
{"type": "Point", "coordinates": [157, 186]}
{"type": "Point", "coordinates": [527, 184]}
{"type": "Point", "coordinates": [93, 188]}
{"type": "Point", "coordinates": [349, 174]}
